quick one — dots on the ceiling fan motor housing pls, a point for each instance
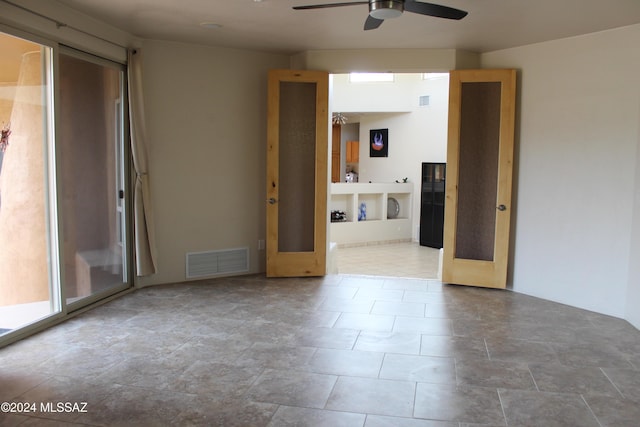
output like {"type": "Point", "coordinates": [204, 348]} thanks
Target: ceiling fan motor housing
{"type": "Point", "coordinates": [385, 9]}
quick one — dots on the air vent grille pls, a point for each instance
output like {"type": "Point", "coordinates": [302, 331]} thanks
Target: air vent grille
{"type": "Point", "coordinates": [212, 263]}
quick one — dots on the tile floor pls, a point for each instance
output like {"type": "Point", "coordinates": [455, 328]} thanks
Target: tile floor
{"type": "Point", "coordinates": [343, 350]}
{"type": "Point", "coordinates": [406, 259]}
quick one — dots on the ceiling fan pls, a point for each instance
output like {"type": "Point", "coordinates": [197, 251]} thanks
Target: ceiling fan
{"type": "Point", "coordinates": [379, 10]}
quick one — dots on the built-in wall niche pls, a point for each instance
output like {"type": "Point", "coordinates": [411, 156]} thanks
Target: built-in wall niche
{"type": "Point", "coordinates": [344, 203]}
{"type": "Point", "coordinates": [404, 204]}
{"type": "Point", "coordinates": [378, 225]}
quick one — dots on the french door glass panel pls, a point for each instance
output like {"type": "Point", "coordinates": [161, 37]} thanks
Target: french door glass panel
{"type": "Point", "coordinates": [28, 289]}
{"type": "Point", "coordinates": [478, 170]}
{"type": "Point", "coordinates": [297, 160]}
{"type": "Point", "coordinates": [91, 176]}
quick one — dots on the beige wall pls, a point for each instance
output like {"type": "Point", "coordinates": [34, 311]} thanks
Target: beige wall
{"type": "Point", "coordinates": [207, 130]}
{"type": "Point", "coordinates": [384, 60]}
{"type": "Point", "coordinates": [577, 162]}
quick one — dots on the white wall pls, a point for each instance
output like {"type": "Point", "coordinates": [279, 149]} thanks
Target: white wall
{"type": "Point", "coordinates": [578, 140]}
{"type": "Point", "coordinates": [416, 134]}
{"type": "Point", "coordinates": [207, 129]}
{"type": "Point", "coordinates": [633, 291]}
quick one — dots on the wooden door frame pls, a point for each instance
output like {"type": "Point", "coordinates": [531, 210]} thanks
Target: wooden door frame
{"type": "Point", "coordinates": [491, 274]}
{"type": "Point", "coordinates": [296, 264]}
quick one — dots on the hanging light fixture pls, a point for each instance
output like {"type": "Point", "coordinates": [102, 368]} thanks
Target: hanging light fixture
{"type": "Point", "coordinates": [338, 119]}
{"type": "Point", "coordinates": [386, 9]}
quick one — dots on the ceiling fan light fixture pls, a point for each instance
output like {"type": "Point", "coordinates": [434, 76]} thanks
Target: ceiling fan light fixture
{"type": "Point", "coordinates": [385, 9]}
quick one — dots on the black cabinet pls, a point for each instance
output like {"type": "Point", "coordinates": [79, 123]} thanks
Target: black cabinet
{"type": "Point", "coordinates": [432, 204]}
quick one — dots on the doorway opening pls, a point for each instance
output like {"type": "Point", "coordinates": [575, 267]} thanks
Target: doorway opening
{"type": "Point", "coordinates": [413, 109]}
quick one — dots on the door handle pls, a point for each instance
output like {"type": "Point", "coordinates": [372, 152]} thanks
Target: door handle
{"type": "Point", "coordinates": [502, 208]}
{"type": "Point", "coordinates": [272, 201]}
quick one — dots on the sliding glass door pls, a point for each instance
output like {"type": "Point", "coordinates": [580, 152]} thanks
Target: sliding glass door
{"type": "Point", "coordinates": [91, 178]}
{"type": "Point", "coordinates": [28, 285]}
{"type": "Point", "coordinates": [63, 193]}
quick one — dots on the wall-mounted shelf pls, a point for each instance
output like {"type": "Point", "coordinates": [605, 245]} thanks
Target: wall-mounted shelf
{"type": "Point", "coordinates": [347, 197]}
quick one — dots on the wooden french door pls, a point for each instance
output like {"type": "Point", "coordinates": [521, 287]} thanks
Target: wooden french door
{"type": "Point", "coordinates": [297, 180]}
{"type": "Point", "coordinates": [479, 176]}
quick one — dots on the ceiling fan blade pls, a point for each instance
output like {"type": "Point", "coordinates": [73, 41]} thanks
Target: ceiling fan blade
{"type": "Point", "coordinates": [431, 9]}
{"type": "Point", "coordinates": [322, 6]}
{"type": "Point", "coordinates": [372, 23]}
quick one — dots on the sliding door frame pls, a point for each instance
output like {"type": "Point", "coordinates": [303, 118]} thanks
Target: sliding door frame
{"type": "Point", "coordinates": [125, 169]}
{"type": "Point", "coordinates": [61, 310]}
{"type": "Point", "coordinates": [56, 296]}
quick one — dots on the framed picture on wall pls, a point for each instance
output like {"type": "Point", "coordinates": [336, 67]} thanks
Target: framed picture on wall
{"type": "Point", "coordinates": [379, 143]}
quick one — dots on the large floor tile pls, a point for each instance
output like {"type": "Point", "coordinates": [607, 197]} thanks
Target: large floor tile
{"type": "Point", "coordinates": [227, 412]}
{"type": "Point", "coordinates": [386, 421]}
{"type": "Point", "coordinates": [287, 416]}
{"type": "Point", "coordinates": [614, 412]}
{"type": "Point", "coordinates": [406, 284]}
{"type": "Point", "coordinates": [367, 294]}
{"type": "Point", "coordinates": [601, 356]}
{"type": "Point", "coordinates": [347, 305]}
{"type": "Point", "coordinates": [440, 370]}
{"type": "Point", "coordinates": [531, 408]}
{"type": "Point", "coordinates": [424, 297]}
{"type": "Point", "coordinates": [8, 419]}
{"type": "Point", "coordinates": [292, 388]}
{"type": "Point", "coordinates": [373, 396]}
{"type": "Point", "coordinates": [580, 380]}
{"type": "Point", "coordinates": [389, 342]}
{"type": "Point", "coordinates": [275, 356]}
{"type": "Point", "coordinates": [64, 389]}
{"type": "Point", "coordinates": [627, 381]}
{"type": "Point", "coordinates": [520, 351]}
{"type": "Point", "coordinates": [216, 379]}
{"type": "Point", "coordinates": [458, 403]}
{"type": "Point", "coordinates": [16, 381]}
{"type": "Point", "coordinates": [337, 338]}
{"type": "Point", "coordinates": [130, 406]}
{"type": "Point", "coordinates": [459, 348]}
{"type": "Point", "coordinates": [352, 363]}
{"type": "Point", "coordinates": [398, 308]}
{"type": "Point", "coordinates": [494, 374]}
{"type": "Point", "coordinates": [424, 325]}
{"type": "Point", "coordinates": [82, 363]}
{"type": "Point", "coordinates": [365, 322]}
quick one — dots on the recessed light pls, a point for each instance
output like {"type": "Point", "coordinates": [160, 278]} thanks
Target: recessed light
{"type": "Point", "coordinates": [210, 25]}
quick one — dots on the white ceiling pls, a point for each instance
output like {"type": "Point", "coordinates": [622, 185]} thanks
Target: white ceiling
{"type": "Point", "coordinates": [272, 25]}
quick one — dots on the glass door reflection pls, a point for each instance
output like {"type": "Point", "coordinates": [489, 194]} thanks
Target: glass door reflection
{"type": "Point", "coordinates": [92, 204]}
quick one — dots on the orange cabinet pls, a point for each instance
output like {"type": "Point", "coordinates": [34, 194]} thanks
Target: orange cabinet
{"type": "Point", "coordinates": [353, 151]}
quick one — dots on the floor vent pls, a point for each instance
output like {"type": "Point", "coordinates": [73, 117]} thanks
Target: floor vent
{"type": "Point", "coordinates": [212, 263]}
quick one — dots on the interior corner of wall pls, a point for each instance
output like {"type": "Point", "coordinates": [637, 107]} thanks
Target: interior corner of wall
{"type": "Point", "coordinates": [299, 61]}
{"type": "Point", "coordinates": [466, 59]}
